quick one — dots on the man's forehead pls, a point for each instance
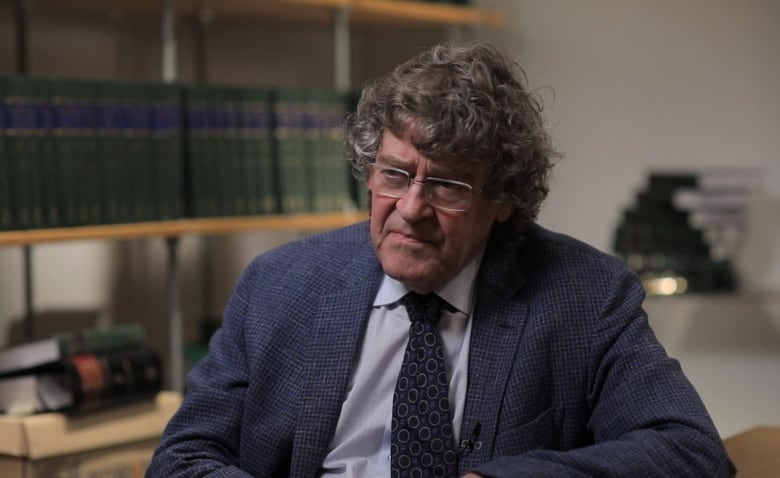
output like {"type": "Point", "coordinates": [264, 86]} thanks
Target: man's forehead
{"type": "Point", "coordinates": [462, 166]}
{"type": "Point", "coordinates": [452, 166]}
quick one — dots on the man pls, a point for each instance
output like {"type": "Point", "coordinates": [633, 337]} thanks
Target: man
{"type": "Point", "coordinates": [533, 358]}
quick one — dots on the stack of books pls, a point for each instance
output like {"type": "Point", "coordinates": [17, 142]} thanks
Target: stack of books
{"type": "Point", "coordinates": [81, 370]}
{"type": "Point", "coordinates": [685, 227]}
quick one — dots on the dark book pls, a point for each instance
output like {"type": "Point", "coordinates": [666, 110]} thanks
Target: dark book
{"type": "Point", "coordinates": [291, 143]}
{"type": "Point", "coordinates": [84, 382]}
{"type": "Point", "coordinates": [225, 158]}
{"type": "Point", "coordinates": [22, 129]}
{"type": "Point", "coordinates": [165, 132]}
{"type": "Point", "coordinates": [6, 220]}
{"type": "Point", "coordinates": [331, 174]}
{"type": "Point", "coordinates": [256, 137]}
{"type": "Point", "coordinates": [40, 354]}
{"type": "Point", "coordinates": [200, 193]}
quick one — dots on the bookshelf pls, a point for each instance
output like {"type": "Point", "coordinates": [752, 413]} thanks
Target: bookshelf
{"type": "Point", "coordinates": [340, 14]}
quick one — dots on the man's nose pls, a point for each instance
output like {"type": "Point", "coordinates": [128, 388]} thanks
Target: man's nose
{"type": "Point", "coordinates": [414, 205]}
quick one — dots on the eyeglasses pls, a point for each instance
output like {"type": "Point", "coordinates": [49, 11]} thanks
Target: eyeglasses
{"type": "Point", "coordinates": [445, 194]}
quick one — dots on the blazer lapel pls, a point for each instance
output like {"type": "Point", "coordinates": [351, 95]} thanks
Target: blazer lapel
{"type": "Point", "coordinates": [499, 319]}
{"type": "Point", "coordinates": [339, 321]}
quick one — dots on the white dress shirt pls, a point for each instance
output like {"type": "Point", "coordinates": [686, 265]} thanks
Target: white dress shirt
{"type": "Point", "coordinates": [361, 445]}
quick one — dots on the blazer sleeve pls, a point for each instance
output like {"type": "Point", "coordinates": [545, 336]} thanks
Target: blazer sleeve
{"type": "Point", "coordinates": [202, 438]}
{"type": "Point", "coordinates": [646, 419]}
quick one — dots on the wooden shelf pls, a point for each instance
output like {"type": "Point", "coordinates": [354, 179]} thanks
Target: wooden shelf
{"type": "Point", "coordinates": [179, 227]}
{"type": "Point", "coordinates": [372, 12]}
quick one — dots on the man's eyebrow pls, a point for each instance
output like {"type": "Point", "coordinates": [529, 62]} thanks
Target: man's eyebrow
{"type": "Point", "coordinates": [389, 158]}
{"type": "Point", "coordinates": [458, 171]}
{"type": "Point", "coordinates": [461, 172]}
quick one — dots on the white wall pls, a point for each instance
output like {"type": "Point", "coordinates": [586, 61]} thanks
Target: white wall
{"type": "Point", "coordinates": [648, 84]}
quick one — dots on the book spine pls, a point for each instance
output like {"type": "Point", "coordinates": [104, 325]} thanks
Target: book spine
{"type": "Point", "coordinates": [6, 221]}
{"type": "Point", "coordinates": [199, 201]}
{"type": "Point", "coordinates": [102, 379]}
{"type": "Point", "coordinates": [109, 149]}
{"type": "Point", "coordinates": [21, 151]}
{"type": "Point", "coordinates": [290, 136]}
{"type": "Point", "coordinates": [47, 175]}
{"type": "Point", "coordinates": [165, 131]}
{"type": "Point", "coordinates": [257, 153]}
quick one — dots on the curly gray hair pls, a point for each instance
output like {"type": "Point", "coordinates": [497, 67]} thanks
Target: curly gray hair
{"type": "Point", "coordinates": [466, 103]}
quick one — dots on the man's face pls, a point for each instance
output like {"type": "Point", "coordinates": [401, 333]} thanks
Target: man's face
{"type": "Point", "coordinates": [417, 244]}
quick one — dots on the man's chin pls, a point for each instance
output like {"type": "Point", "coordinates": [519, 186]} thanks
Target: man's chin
{"type": "Point", "coordinates": [412, 275]}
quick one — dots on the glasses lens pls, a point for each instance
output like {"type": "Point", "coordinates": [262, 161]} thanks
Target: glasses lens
{"type": "Point", "coordinates": [445, 194]}
{"type": "Point", "coordinates": [440, 193]}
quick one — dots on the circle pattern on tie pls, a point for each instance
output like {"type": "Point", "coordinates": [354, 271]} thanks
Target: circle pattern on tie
{"type": "Point", "coordinates": [422, 437]}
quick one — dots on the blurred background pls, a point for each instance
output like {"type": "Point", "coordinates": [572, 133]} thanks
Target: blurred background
{"type": "Point", "coordinates": [632, 90]}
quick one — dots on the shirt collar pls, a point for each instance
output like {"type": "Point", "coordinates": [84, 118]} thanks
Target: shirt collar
{"type": "Point", "coordinates": [459, 292]}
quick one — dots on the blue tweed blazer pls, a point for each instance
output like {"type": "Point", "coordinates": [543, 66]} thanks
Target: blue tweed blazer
{"type": "Point", "coordinates": [566, 378]}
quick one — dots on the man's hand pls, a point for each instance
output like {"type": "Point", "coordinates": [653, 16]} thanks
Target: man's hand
{"type": "Point", "coordinates": [471, 475]}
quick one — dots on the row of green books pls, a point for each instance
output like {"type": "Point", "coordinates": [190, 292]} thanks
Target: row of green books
{"type": "Point", "coordinates": [75, 152]}
{"type": "Point", "coordinates": [79, 370]}
{"type": "Point", "coordinates": [82, 152]}
{"type": "Point", "coordinates": [260, 151]}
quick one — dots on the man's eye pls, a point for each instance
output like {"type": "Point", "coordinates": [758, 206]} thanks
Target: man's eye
{"type": "Point", "coordinates": [394, 175]}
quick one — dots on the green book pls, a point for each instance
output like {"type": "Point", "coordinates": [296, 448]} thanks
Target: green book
{"type": "Point", "coordinates": [292, 137]}
{"type": "Point", "coordinates": [23, 153]}
{"type": "Point", "coordinates": [86, 178]}
{"type": "Point", "coordinates": [256, 137]}
{"type": "Point", "coordinates": [78, 171]}
{"type": "Point", "coordinates": [331, 185]}
{"type": "Point", "coordinates": [226, 156]}
{"type": "Point", "coordinates": [6, 220]}
{"type": "Point", "coordinates": [109, 151]}
{"type": "Point", "coordinates": [140, 167]}
{"type": "Point", "coordinates": [201, 197]}
{"type": "Point", "coordinates": [165, 136]}
{"type": "Point", "coordinates": [46, 172]}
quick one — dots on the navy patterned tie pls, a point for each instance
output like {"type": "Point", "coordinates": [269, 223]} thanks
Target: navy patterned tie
{"type": "Point", "coordinates": [422, 443]}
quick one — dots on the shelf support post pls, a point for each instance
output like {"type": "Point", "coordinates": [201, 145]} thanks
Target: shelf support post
{"type": "Point", "coordinates": [29, 310]}
{"type": "Point", "coordinates": [341, 50]}
{"type": "Point", "coordinates": [168, 41]}
{"type": "Point", "coordinates": [21, 14]}
{"type": "Point", "coordinates": [175, 328]}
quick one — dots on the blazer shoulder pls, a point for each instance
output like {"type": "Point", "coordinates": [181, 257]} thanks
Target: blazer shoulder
{"type": "Point", "coordinates": [561, 265]}
{"type": "Point", "coordinates": [571, 253]}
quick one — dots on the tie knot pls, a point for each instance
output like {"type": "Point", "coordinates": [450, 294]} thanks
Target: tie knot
{"type": "Point", "coordinates": [422, 308]}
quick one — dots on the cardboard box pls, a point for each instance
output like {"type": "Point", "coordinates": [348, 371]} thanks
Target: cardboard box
{"type": "Point", "coordinates": [756, 452]}
{"type": "Point", "coordinates": [113, 442]}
